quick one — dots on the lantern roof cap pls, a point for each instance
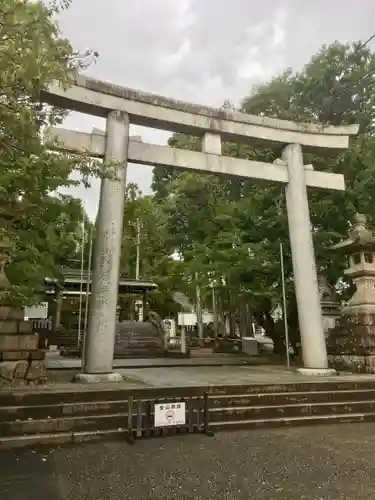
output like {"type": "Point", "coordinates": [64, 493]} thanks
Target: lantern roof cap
{"type": "Point", "coordinates": [359, 237]}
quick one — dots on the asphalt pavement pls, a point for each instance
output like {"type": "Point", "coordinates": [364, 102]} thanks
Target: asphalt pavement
{"type": "Point", "coordinates": [317, 463]}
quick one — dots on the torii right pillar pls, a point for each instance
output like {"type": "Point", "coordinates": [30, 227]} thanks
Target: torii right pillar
{"type": "Point", "coordinates": [314, 350]}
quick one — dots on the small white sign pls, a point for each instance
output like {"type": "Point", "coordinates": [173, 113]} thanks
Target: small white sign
{"type": "Point", "coordinates": [169, 414]}
{"type": "Point", "coordinates": [39, 311]}
{"type": "Point", "coordinates": [187, 319]}
{"type": "Point", "coordinates": [207, 318]}
{"type": "Point", "coordinates": [190, 319]}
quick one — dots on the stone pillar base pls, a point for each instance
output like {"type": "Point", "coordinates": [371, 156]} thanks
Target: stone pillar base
{"type": "Point", "coordinates": [317, 372]}
{"type": "Point", "coordinates": [96, 378]}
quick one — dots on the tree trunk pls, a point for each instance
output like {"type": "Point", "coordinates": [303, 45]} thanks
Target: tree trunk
{"type": "Point", "coordinates": [246, 319]}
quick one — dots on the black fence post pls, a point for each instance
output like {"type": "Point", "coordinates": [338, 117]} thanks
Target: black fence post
{"type": "Point", "coordinates": [139, 418]}
{"type": "Point", "coordinates": [130, 420]}
{"type": "Point", "coordinates": [206, 425]}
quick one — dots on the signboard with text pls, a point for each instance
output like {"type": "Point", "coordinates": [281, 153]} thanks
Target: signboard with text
{"type": "Point", "coordinates": [187, 319]}
{"type": "Point", "coordinates": [169, 414]}
{"type": "Point", "coordinates": [39, 311]}
{"type": "Point", "coordinates": [190, 319]}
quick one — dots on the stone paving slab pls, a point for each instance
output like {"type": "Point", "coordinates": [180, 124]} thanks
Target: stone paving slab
{"type": "Point", "coordinates": [328, 463]}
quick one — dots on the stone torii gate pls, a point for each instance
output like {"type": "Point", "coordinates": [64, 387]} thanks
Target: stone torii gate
{"type": "Point", "coordinates": [122, 106]}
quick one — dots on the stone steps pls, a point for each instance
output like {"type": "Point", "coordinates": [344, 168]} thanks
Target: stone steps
{"type": "Point", "coordinates": [273, 402]}
{"type": "Point", "coordinates": [76, 437]}
{"type": "Point", "coordinates": [45, 417]}
{"type": "Point", "coordinates": [125, 353]}
{"type": "Point", "coordinates": [60, 438]}
{"type": "Point", "coordinates": [132, 352]}
{"type": "Point", "coordinates": [138, 341]}
{"type": "Point", "coordinates": [23, 413]}
{"type": "Point", "coordinates": [219, 417]}
{"type": "Point", "coordinates": [290, 398]}
{"type": "Point", "coordinates": [219, 394]}
{"type": "Point", "coordinates": [67, 424]}
{"type": "Point", "coordinates": [307, 420]}
{"type": "Point", "coordinates": [246, 413]}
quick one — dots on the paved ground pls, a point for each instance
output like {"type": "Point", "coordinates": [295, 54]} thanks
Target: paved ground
{"type": "Point", "coordinates": [183, 376]}
{"type": "Point", "coordinates": [204, 375]}
{"type": "Point", "coordinates": [227, 375]}
{"type": "Point", "coordinates": [321, 463]}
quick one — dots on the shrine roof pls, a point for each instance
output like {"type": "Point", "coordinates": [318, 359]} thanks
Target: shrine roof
{"type": "Point", "coordinates": [74, 277]}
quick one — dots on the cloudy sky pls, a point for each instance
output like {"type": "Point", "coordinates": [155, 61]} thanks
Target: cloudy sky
{"type": "Point", "coordinates": [203, 51]}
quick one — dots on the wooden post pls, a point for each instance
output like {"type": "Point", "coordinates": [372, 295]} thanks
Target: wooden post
{"type": "Point", "coordinates": [56, 314]}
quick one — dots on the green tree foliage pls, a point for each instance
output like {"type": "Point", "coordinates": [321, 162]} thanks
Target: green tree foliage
{"type": "Point", "coordinates": [335, 87]}
{"type": "Point", "coordinates": [233, 228]}
{"type": "Point", "coordinates": [144, 215]}
{"type": "Point", "coordinates": [39, 226]}
{"type": "Point", "coordinates": [44, 242]}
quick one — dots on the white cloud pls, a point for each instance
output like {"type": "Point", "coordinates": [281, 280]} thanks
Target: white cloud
{"type": "Point", "coordinates": [170, 62]}
{"type": "Point", "coordinates": [279, 26]}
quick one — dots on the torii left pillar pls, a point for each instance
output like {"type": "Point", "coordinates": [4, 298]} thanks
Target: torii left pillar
{"type": "Point", "coordinates": [99, 341]}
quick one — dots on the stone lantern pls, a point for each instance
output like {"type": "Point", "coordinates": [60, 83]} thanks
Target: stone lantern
{"type": "Point", "coordinates": [351, 343]}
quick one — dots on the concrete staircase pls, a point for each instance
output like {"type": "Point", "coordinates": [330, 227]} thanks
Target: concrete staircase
{"type": "Point", "coordinates": [46, 417]}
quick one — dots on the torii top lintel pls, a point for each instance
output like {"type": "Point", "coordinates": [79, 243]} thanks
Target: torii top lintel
{"type": "Point", "coordinates": [95, 97]}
